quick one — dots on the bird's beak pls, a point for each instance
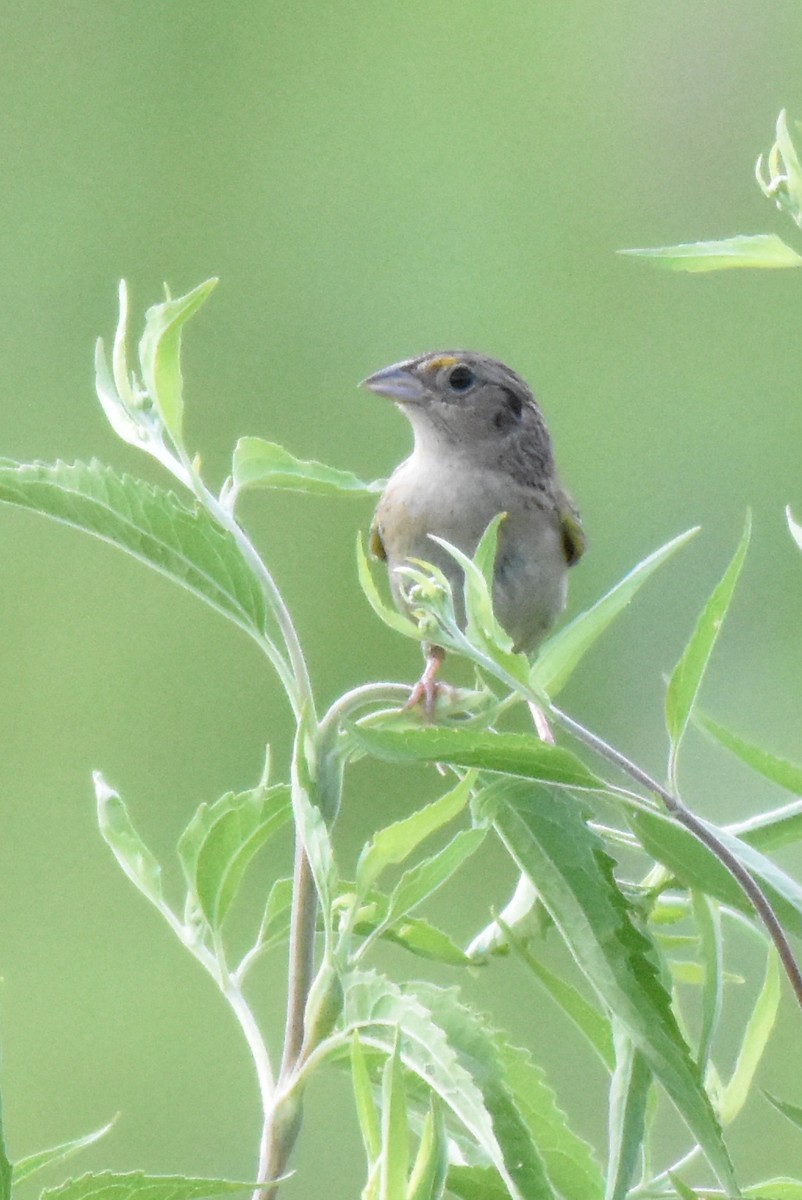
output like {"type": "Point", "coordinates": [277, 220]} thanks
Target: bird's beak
{"type": "Point", "coordinates": [398, 382]}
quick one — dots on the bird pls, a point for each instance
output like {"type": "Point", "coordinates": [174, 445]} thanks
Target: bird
{"type": "Point", "coordinates": [481, 447]}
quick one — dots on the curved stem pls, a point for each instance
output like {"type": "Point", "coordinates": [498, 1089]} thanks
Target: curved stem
{"type": "Point", "coordinates": [358, 697]}
{"type": "Point", "coordinates": [751, 889]}
{"type": "Point", "coordinates": [299, 688]}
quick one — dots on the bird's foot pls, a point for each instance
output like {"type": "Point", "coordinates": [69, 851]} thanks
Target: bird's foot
{"type": "Point", "coordinates": [427, 689]}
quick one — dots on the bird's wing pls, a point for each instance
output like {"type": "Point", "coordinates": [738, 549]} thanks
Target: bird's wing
{"type": "Point", "coordinates": [574, 541]}
{"type": "Point", "coordinates": [375, 543]}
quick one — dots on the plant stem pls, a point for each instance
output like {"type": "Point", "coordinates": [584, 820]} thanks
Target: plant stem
{"type": "Point", "coordinates": [699, 829]}
{"type": "Point", "coordinates": [299, 688]}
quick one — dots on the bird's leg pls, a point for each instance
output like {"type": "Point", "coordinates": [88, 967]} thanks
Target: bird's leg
{"type": "Point", "coordinates": [541, 724]}
{"type": "Point", "coordinates": [426, 689]}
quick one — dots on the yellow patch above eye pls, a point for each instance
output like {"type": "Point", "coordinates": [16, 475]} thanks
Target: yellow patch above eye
{"type": "Point", "coordinates": [445, 360]}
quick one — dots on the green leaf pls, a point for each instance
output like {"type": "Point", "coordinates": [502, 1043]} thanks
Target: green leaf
{"type": "Point", "coordinates": [160, 354]}
{"type": "Point", "coordinates": [546, 835]}
{"type": "Point", "coordinates": [756, 250]}
{"type": "Point", "coordinates": [136, 1185]}
{"type": "Point", "coordinates": [396, 842]}
{"type": "Point", "coordinates": [369, 1122]}
{"type": "Point", "coordinates": [276, 921]}
{"type": "Point", "coordinates": [585, 1018]}
{"type": "Point", "coordinates": [570, 1162]}
{"type": "Point", "coordinates": [755, 1039]}
{"type": "Point", "coordinates": [771, 830]}
{"type": "Point", "coordinates": [377, 1007]}
{"type": "Point", "coordinates": [686, 679]}
{"type": "Point", "coordinates": [420, 881]}
{"type": "Point", "coordinates": [127, 846]}
{"type": "Point", "coordinates": [629, 1092]}
{"type": "Point", "coordinates": [258, 463]}
{"type": "Point", "coordinates": [311, 826]}
{"type": "Point", "coordinates": [785, 774]}
{"type": "Point", "coordinates": [150, 524]}
{"type": "Point", "coordinates": [476, 1183]}
{"type": "Point", "coordinates": [428, 1177]}
{"type": "Point", "coordinates": [5, 1165]}
{"type": "Point", "coordinates": [480, 1050]}
{"type": "Point", "coordinates": [221, 840]}
{"type": "Point", "coordinates": [711, 951]}
{"type": "Point", "coordinates": [683, 1191]}
{"type": "Point", "coordinates": [417, 936]}
{"type": "Point", "coordinates": [509, 753]}
{"type": "Point", "coordinates": [697, 867]}
{"type": "Point", "coordinates": [792, 171]}
{"type": "Point", "coordinates": [561, 653]}
{"type": "Point", "coordinates": [24, 1168]}
{"type": "Point", "coordinates": [395, 620]}
{"type": "Point", "coordinates": [394, 1165]}
{"type": "Point", "coordinates": [792, 1111]}
{"type": "Point", "coordinates": [481, 624]}
{"type": "Point", "coordinates": [775, 1189]}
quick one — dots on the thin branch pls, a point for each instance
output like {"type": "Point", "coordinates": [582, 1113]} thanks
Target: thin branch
{"type": "Point", "coordinates": [702, 833]}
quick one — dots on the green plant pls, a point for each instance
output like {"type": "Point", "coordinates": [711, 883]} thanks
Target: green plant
{"type": "Point", "coordinates": [780, 180]}
{"type": "Point", "coordinates": [445, 1105]}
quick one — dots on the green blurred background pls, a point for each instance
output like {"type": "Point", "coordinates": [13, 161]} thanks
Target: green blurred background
{"type": "Point", "coordinates": [368, 181]}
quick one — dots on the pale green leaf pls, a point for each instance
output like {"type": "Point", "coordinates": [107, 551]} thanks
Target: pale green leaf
{"type": "Point", "coordinates": [508, 753]}
{"type": "Point", "coordinates": [150, 524]}
{"type": "Point", "coordinates": [428, 1178]}
{"type": "Point", "coordinates": [394, 1166]}
{"type": "Point", "coordinates": [481, 624]}
{"type": "Point", "coordinates": [368, 1114]}
{"type": "Point", "coordinates": [476, 1183]}
{"type": "Point", "coordinates": [559, 656]}
{"type": "Point", "coordinates": [781, 771]}
{"type": "Point", "coordinates": [793, 1112]}
{"type": "Point", "coordinates": [420, 881]}
{"type": "Point", "coordinates": [697, 867]}
{"type": "Point", "coordinates": [756, 1036]}
{"type": "Point", "coordinates": [160, 354]}
{"type": "Point", "coordinates": [480, 1051]}
{"type": "Point", "coordinates": [792, 171]}
{"type": "Point", "coordinates": [414, 934]}
{"type": "Point", "coordinates": [686, 678]}
{"type": "Point", "coordinates": [569, 1161]}
{"type": "Point", "coordinates": [711, 952]}
{"type": "Point", "coordinates": [258, 463]}
{"type": "Point", "coordinates": [748, 250]}
{"type": "Point", "coordinates": [396, 842]}
{"type": "Point", "coordinates": [136, 1185]}
{"type": "Point", "coordinates": [769, 831]}
{"type": "Point", "coordinates": [377, 1007]}
{"type": "Point", "coordinates": [5, 1165]}
{"type": "Point", "coordinates": [390, 616]}
{"type": "Point", "coordinates": [24, 1168]}
{"type": "Point", "coordinates": [775, 1189]}
{"type": "Point", "coordinates": [221, 840]}
{"type": "Point", "coordinates": [626, 1122]}
{"type": "Point", "coordinates": [683, 1191]}
{"type": "Point", "coordinates": [549, 840]}
{"type": "Point", "coordinates": [594, 1027]}
{"type": "Point", "coordinates": [131, 853]}
{"type": "Point", "coordinates": [276, 921]}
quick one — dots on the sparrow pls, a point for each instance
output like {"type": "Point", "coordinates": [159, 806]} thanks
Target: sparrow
{"type": "Point", "coordinates": [481, 448]}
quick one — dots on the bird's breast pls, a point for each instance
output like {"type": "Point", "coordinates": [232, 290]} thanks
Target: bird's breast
{"type": "Point", "coordinates": [456, 501]}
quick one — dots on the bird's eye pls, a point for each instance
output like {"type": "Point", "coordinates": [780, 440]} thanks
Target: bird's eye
{"type": "Point", "coordinates": [461, 378]}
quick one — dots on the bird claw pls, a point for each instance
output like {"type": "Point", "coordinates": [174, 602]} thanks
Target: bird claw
{"type": "Point", "coordinates": [427, 689]}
